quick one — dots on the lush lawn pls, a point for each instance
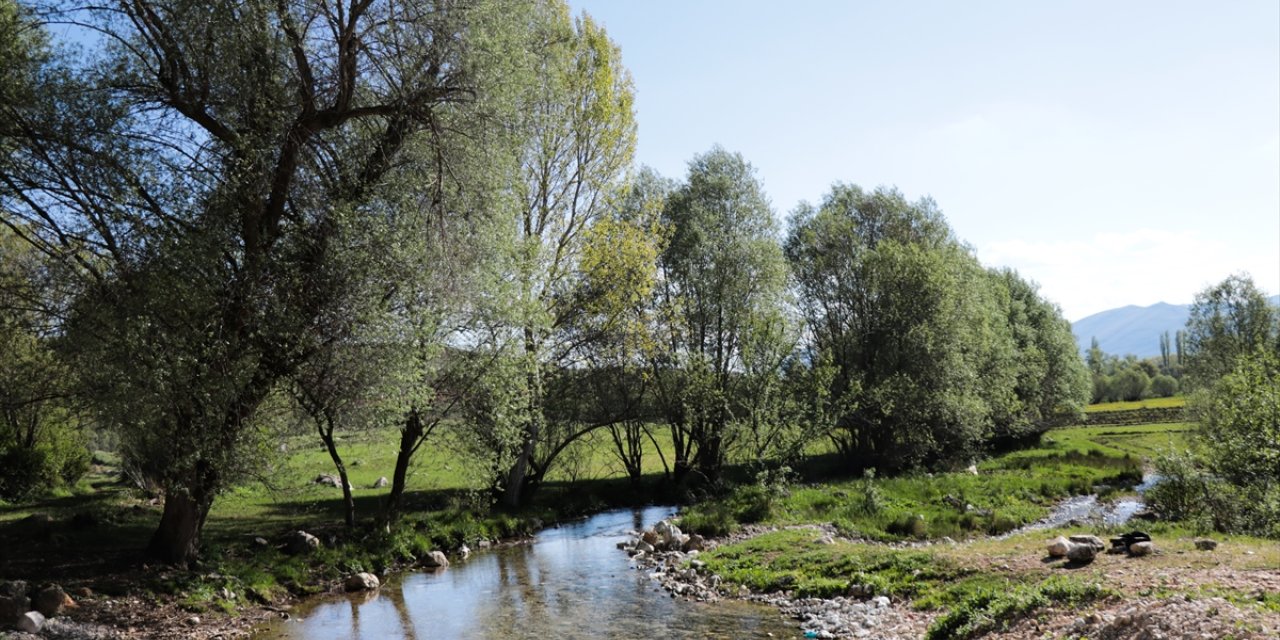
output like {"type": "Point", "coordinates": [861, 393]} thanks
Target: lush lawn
{"type": "Point", "coordinates": [1149, 403]}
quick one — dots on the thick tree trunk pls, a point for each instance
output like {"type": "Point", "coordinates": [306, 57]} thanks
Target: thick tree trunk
{"type": "Point", "coordinates": [177, 539]}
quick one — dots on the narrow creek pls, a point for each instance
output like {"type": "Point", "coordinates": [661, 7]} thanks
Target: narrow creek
{"type": "Point", "coordinates": [1089, 509]}
{"type": "Point", "coordinates": [570, 582]}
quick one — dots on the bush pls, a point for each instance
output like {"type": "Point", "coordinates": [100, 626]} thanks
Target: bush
{"type": "Point", "coordinates": [1164, 386]}
{"type": "Point", "coordinates": [23, 472]}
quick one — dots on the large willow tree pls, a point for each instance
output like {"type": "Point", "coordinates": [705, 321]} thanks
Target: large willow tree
{"type": "Point", "coordinates": [200, 169]}
{"type": "Point", "coordinates": [933, 355]}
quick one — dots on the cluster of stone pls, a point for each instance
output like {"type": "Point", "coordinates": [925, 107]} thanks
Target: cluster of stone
{"type": "Point", "coordinates": [1084, 548]}
{"type": "Point", "coordinates": [28, 608]}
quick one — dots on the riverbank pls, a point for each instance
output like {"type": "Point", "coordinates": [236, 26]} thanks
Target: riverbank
{"type": "Point", "coordinates": [833, 587]}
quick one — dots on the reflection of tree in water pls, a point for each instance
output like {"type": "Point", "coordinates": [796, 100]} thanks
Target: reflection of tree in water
{"type": "Point", "coordinates": [572, 584]}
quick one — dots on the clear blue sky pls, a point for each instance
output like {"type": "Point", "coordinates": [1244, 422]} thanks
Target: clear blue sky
{"type": "Point", "coordinates": [1115, 152]}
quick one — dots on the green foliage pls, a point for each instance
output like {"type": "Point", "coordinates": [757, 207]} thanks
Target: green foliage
{"type": "Point", "coordinates": [934, 355]}
{"type": "Point", "coordinates": [724, 332]}
{"type": "Point", "coordinates": [1228, 321]}
{"type": "Point", "coordinates": [1164, 386]}
{"type": "Point", "coordinates": [1234, 485]}
{"type": "Point", "coordinates": [992, 610]}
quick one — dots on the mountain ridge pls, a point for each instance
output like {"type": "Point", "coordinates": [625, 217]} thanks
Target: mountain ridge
{"type": "Point", "coordinates": [1134, 329]}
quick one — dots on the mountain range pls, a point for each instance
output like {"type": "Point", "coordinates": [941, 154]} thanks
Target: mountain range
{"type": "Point", "coordinates": [1134, 329]}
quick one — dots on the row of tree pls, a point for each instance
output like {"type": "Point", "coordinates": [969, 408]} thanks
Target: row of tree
{"type": "Point", "coordinates": [425, 215]}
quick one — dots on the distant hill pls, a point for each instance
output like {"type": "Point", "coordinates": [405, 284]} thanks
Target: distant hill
{"type": "Point", "coordinates": [1133, 329]}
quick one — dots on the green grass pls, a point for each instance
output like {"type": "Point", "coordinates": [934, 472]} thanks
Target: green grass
{"type": "Point", "coordinates": [1145, 441]}
{"type": "Point", "coordinates": [1149, 403]}
{"type": "Point", "coordinates": [1010, 491]}
{"type": "Point", "coordinates": [976, 601]}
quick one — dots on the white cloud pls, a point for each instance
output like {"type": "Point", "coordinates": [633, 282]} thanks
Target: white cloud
{"type": "Point", "coordinates": [1139, 266]}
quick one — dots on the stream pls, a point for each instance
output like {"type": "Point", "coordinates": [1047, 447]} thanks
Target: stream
{"type": "Point", "coordinates": [1089, 509]}
{"type": "Point", "coordinates": [570, 582]}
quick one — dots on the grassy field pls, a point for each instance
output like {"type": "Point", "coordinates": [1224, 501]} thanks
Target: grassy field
{"type": "Point", "coordinates": [1149, 403]}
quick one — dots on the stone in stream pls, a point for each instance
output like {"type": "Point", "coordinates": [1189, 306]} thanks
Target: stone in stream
{"type": "Point", "coordinates": [361, 582]}
{"type": "Point", "coordinates": [435, 560]}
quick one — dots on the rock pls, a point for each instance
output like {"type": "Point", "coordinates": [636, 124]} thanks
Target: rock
{"type": "Point", "coordinates": [435, 560]}
{"type": "Point", "coordinates": [49, 601]}
{"type": "Point", "coordinates": [13, 589]}
{"type": "Point", "coordinates": [649, 537]}
{"type": "Point", "coordinates": [301, 542]}
{"type": "Point", "coordinates": [880, 602]}
{"type": "Point", "coordinates": [1093, 541]}
{"type": "Point", "coordinates": [31, 622]}
{"type": "Point", "coordinates": [361, 582]}
{"type": "Point", "coordinates": [83, 592]}
{"type": "Point", "coordinates": [382, 482]}
{"type": "Point", "coordinates": [1059, 547]}
{"type": "Point", "coordinates": [973, 469]}
{"type": "Point", "coordinates": [260, 542]}
{"type": "Point", "coordinates": [12, 608]}
{"type": "Point", "coordinates": [695, 543]}
{"type": "Point", "coordinates": [328, 479]}
{"type": "Point", "coordinates": [644, 547]}
{"type": "Point", "coordinates": [1139, 549]}
{"type": "Point", "coordinates": [1205, 544]}
{"type": "Point", "coordinates": [193, 621]}
{"type": "Point", "coordinates": [1082, 553]}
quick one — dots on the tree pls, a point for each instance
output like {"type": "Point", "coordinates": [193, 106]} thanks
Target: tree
{"type": "Point", "coordinates": [43, 441]}
{"type": "Point", "coordinates": [881, 283]}
{"type": "Point", "coordinates": [1164, 351]}
{"type": "Point", "coordinates": [721, 315]}
{"type": "Point", "coordinates": [1240, 421]}
{"type": "Point", "coordinates": [1227, 321]}
{"type": "Point", "coordinates": [580, 130]}
{"type": "Point", "coordinates": [196, 174]}
{"type": "Point", "coordinates": [1052, 383]}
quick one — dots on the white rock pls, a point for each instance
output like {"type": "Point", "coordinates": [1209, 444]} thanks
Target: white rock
{"type": "Point", "coordinates": [31, 622]}
{"type": "Point", "coordinates": [1058, 547]}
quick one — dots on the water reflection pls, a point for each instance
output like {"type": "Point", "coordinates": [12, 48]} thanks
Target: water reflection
{"type": "Point", "coordinates": [571, 582]}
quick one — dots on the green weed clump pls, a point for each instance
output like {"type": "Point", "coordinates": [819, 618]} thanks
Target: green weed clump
{"type": "Point", "coordinates": [987, 610]}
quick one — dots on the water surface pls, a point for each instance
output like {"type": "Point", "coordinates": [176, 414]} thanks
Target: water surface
{"type": "Point", "coordinates": [570, 582]}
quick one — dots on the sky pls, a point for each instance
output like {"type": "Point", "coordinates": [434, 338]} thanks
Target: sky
{"type": "Point", "coordinates": [1116, 153]}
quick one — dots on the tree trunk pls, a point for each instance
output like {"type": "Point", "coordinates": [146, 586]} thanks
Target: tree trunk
{"type": "Point", "coordinates": [348, 502]}
{"type": "Point", "coordinates": [410, 433]}
{"type": "Point", "coordinates": [177, 539]}
{"type": "Point", "coordinates": [512, 493]}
